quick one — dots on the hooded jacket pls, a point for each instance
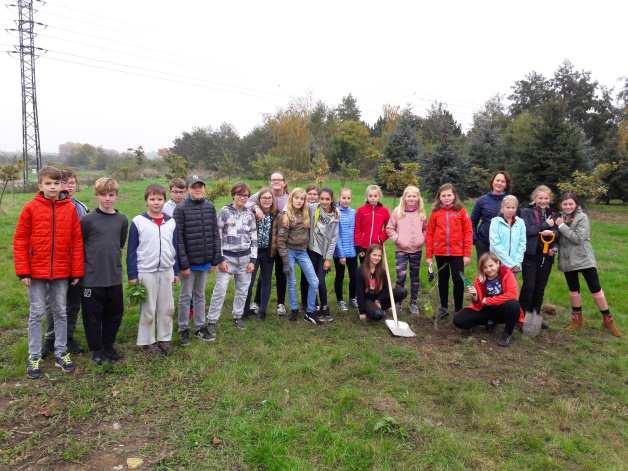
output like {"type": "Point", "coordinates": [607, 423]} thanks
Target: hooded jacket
{"type": "Point", "coordinates": [508, 242]}
{"type": "Point", "coordinates": [370, 225]}
{"type": "Point", "coordinates": [198, 240]}
{"type": "Point", "coordinates": [486, 208]}
{"type": "Point", "coordinates": [151, 247]}
{"type": "Point", "coordinates": [510, 291]}
{"type": "Point", "coordinates": [576, 252]}
{"type": "Point", "coordinates": [449, 233]}
{"type": "Point", "coordinates": [48, 242]}
{"type": "Point", "coordinates": [323, 238]}
{"type": "Point", "coordinates": [407, 231]}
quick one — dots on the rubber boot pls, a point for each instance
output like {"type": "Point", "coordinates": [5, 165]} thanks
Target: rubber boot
{"type": "Point", "coordinates": [609, 324]}
{"type": "Point", "coordinates": [577, 322]}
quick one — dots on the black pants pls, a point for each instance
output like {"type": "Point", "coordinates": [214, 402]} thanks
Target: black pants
{"type": "Point", "coordinates": [102, 315]}
{"type": "Point", "coordinates": [73, 306]}
{"type": "Point", "coordinates": [590, 276]}
{"type": "Point", "coordinates": [280, 281]}
{"type": "Point", "coordinates": [352, 268]}
{"type": "Point", "coordinates": [317, 263]}
{"type": "Point", "coordinates": [447, 266]}
{"type": "Point", "coordinates": [507, 313]}
{"type": "Point", "coordinates": [536, 273]}
{"type": "Point", "coordinates": [375, 313]}
{"type": "Point", "coordinates": [263, 266]}
{"type": "Point", "coordinates": [481, 248]}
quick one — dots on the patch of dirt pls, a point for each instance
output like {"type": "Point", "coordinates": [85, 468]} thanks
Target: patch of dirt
{"type": "Point", "coordinates": [610, 217]}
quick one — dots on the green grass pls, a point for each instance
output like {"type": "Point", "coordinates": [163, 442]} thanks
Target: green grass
{"type": "Point", "coordinates": [347, 396]}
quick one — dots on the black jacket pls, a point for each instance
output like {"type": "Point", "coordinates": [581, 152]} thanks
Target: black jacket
{"type": "Point", "coordinates": [198, 240]}
{"type": "Point", "coordinates": [535, 223]}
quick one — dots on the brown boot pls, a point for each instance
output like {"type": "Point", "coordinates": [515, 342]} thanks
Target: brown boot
{"type": "Point", "coordinates": [577, 322]}
{"type": "Point", "coordinates": [609, 324]}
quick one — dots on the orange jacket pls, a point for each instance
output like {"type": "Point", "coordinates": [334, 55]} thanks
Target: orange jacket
{"type": "Point", "coordinates": [48, 243]}
{"type": "Point", "coordinates": [449, 233]}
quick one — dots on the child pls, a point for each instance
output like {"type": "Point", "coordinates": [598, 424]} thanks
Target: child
{"type": "Point", "coordinates": [539, 221]}
{"type": "Point", "coordinates": [292, 242]}
{"type": "Point", "coordinates": [47, 252]}
{"type": "Point", "coordinates": [324, 219]}
{"type": "Point", "coordinates": [312, 194]}
{"type": "Point", "coordinates": [345, 255]}
{"type": "Point", "coordinates": [104, 232]}
{"type": "Point", "coordinates": [266, 249]}
{"type": "Point", "coordinates": [151, 261]}
{"type": "Point", "coordinates": [576, 257]}
{"type": "Point", "coordinates": [493, 299]}
{"type": "Point", "coordinates": [238, 236]}
{"type": "Point", "coordinates": [372, 286]}
{"type": "Point", "coordinates": [198, 249]}
{"type": "Point", "coordinates": [449, 238]}
{"type": "Point", "coordinates": [406, 228]}
{"type": "Point", "coordinates": [370, 221]}
{"type": "Point", "coordinates": [69, 186]}
{"type": "Point", "coordinates": [178, 192]}
{"type": "Point", "coordinates": [507, 235]}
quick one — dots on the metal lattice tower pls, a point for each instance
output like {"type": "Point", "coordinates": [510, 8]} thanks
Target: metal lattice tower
{"type": "Point", "coordinates": [27, 52]}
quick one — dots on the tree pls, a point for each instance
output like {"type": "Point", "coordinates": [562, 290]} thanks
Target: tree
{"type": "Point", "coordinates": [9, 173]}
{"type": "Point", "coordinates": [530, 93]}
{"type": "Point", "coordinates": [590, 186]}
{"type": "Point", "coordinates": [140, 156]}
{"type": "Point", "coordinates": [348, 109]}
{"type": "Point", "coordinates": [444, 165]}
{"type": "Point", "coordinates": [264, 165]}
{"type": "Point", "coordinates": [292, 138]}
{"type": "Point", "coordinates": [485, 137]}
{"type": "Point", "coordinates": [403, 145]}
{"type": "Point", "coordinates": [350, 143]}
{"type": "Point", "coordinates": [394, 180]}
{"type": "Point", "coordinates": [178, 166]}
{"type": "Point", "coordinates": [347, 172]}
{"type": "Point", "coordinates": [438, 122]}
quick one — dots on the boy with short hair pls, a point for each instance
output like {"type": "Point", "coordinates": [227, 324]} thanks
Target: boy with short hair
{"type": "Point", "coordinates": [48, 252]}
{"type": "Point", "coordinates": [178, 192]}
{"type": "Point", "coordinates": [104, 233]}
{"type": "Point", "coordinates": [151, 261]}
{"type": "Point", "coordinates": [198, 249]}
{"type": "Point", "coordinates": [69, 186]}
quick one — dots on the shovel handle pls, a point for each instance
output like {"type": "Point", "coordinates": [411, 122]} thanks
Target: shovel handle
{"type": "Point", "coordinates": [390, 290]}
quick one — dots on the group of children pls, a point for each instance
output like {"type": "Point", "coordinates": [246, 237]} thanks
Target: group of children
{"type": "Point", "coordinates": [69, 257]}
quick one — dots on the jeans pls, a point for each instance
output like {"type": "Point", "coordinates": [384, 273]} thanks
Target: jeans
{"type": "Point", "coordinates": [51, 295]}
{"type": "Point", "coordinates": [301, 258]}
{"type": "Point", "coordinates": [263, 266]}
{"type": "Point", "coordinates": [404, 259]}
{"type": "Point", "coordinates": [102, 315]}
{"type": "Point", "coordinates": [445, 265]}
{"type": "Point", "coordinates": [237, 270]}
{"type": "Point", "coordinates": [192, 289]}
{"type": "Point", "coordinates": [317, 262]}
{"type": "Point", "coordinates": [352, 268]}
{"type": "Point", "coordinates": [507, 313]}
{"type": "Point", "coordinates": [73, 306]}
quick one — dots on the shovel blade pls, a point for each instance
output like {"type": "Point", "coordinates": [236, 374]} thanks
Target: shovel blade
{"type": "Point", "coordinates": [399, 329]}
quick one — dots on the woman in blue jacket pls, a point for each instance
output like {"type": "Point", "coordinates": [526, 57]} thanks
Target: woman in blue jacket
{"type": "Point", "coordinates": [507, 235]}
{"type": "Point", "coordinates": [486, 208]}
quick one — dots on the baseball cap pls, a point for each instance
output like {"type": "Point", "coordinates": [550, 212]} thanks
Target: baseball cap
{"type": "Point", "coordinates": [195, 179]}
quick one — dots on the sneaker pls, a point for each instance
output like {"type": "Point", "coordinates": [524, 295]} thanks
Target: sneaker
{"type": "Point", "coordinates": [98, 357]}
{"type": "Point", "coordinates": [260, 316]}
{"type": "Point", "coordinates": [324, 315]}
{"type": "Point", "coordinates": [112, 355]}
{"type": "Point", "coordinates": [312, 317]}
{"type": "Point", "coordinates": [48, 347]}
{"type": "Point", "coordinates": [151, 349]}
{"type": "Point", "coordinates": [184, 337]}
{"type": "Point", "coordinates": [211, 332]}
{"type": "Point", "coordinates": [442, 313]}
{"type": "Point", "coordinates": [342, 306]}
{"type": "Point", "coordinates": [74, 347]}
{"type": "Point", "coordinates": [281, 310]}
{"type": "Point", "coordinates": [33, 368]}
{"type": "Point", "coordinates": [204, 335]}
{"type": "Point", "coordinates": [238, 323]}
{"type": "Point", "coordinates": [414, 309]}
{"type": "Point", "coordinates": [293, 315]}
{"type": "Point", "coordinates": [490, 326]}
{"type": "Point", "coordinates": [65, 363]}
{"type": "Point", "coordinates": [544, 326]}
{"type": "Point", "coordinates": [254, 307]}
{"type": "Point", "coordinates": [506, 340]}
{"type": "Point", "coordinates": [164, 348]}
{"type": "Point", "coordinates": [353, 302]}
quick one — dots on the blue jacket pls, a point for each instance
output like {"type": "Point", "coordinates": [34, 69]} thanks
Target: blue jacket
{"type": "Point", "coordinates": [508, 242]}
{"type": "Point", "coordinates": [486, 208]}
{"type": "Point", "coordinates": [345, 245]}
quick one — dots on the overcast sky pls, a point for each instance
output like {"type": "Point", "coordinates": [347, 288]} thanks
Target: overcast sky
{"type": "Point", "coordinates": [122, 73]}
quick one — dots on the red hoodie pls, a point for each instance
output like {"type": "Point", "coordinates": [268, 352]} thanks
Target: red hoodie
{"type": "Point", "coordinates": [370, 225]}
{"type": "Point", "coordinates": [510, 291]}
{"type": "Point", "coordinates": [449, 233]}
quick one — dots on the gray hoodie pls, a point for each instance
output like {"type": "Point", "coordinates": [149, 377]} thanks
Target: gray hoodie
{"type": "Point", "coordinates": [323, 231]}
{"type": "Point", "coordinates": [575, 250]}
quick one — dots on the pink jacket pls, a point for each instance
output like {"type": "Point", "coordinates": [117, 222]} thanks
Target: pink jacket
{"type": "Point", "coordinates": [408, 232]}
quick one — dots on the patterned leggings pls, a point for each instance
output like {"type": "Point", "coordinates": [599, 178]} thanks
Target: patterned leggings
{"type": "Point", "coordinates": [404, 259]}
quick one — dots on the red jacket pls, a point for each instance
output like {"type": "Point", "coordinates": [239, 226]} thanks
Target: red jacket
{"type": "Point", "coordinates": [449, 233]}
{"type": "Point", "coordinates": [370, 225]}
{"type": "Point", "coordinates": [510, 291]}
{"type": "Point", "coordinates": [48, 243]}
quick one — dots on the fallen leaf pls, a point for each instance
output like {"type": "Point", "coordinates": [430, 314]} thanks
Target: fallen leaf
{"type": "Point", "coordinates": [115, 392]}
{"type": "Point", "coordinates": [120, 467]}
{"type": "Point", "coordinates": [134, 463]}
{"type": "Point", "coordinates": [495, 382]}
{"type": "Point", "coordinates": [116, 426]}
{"type": "Point", "coordinates": [216, 441]}
{"type": "Point", "coordinates": [44, 411]}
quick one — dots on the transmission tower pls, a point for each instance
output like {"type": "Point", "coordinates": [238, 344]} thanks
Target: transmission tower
{"type": "Point", "coordinates": [28, 53]}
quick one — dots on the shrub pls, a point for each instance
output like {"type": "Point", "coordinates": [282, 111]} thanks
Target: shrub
{"type": "Point", "coordinates": [394, 180]}
{"type": "Point", "coordinates": [591, 186]}
{"type": "Point", "coordinates": [219, 189]}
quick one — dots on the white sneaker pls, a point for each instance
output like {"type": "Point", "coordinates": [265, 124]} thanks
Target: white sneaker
{"type": "Point", "coordinates": [254, 307]}
{"type": "Point", "coordinates": [353, 302]}
{"type": "Point", "coordinates": [281, 310]}
{"type": "Point", "coordinates": [414, 309]}
{"type": "Point", "coordinates": [342, 306]}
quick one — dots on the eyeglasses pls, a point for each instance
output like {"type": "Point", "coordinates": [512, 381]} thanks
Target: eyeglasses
{"type": "Point", "coordinates": [267, 197]}
{"type": "Point", "coordinates": [243, 195]}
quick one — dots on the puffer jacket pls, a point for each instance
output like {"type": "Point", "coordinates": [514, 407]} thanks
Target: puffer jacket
{"type": "Point", "coordinates": [575, 250]}
{"type": "Point", "coordinates": [535, 224]}
{"type": "Point", "coordinates": [485, 209]}
{"type": "Point", "coordinates": [508, 242]}
{"type": "Point", "coordinates": [449, 233]}
{"type": "Point", "coordinates": [291, 235]}
{"type": "Point", "coordinates": [345, 246]}
{"type": "Point", "coordinates": [48, 242]}
{"type": "Point", "coordinates": [370, 225]}
{"type": "Point", "coordinates": [198, 239]}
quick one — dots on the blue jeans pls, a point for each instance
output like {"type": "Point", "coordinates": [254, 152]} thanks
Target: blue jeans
{"type": "Point", "coordinates": [302, 258]}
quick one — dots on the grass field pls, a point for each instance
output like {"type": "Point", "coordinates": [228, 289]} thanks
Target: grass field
{"type": "Point", "coordinates": [345, 396]}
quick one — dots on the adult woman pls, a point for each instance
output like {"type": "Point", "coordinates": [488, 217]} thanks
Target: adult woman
{"type": "Point", "coordinates": [486, 208]}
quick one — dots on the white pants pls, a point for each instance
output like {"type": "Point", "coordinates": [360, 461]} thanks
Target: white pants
{"type": "Point", "coordinates": [237, 271]}
{"type": "Point", "coordinates": [157, 310]}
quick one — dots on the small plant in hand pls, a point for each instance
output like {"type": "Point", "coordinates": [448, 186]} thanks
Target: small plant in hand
{"type": "Point", "coordinates": [137, 293]}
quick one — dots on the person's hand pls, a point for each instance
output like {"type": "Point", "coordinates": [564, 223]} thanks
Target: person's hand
{"type": "Point", "coordinates": [26, 281]}
{"type": "Point", "coordinates": [259, 214]}
{"type": "Point", "coordinates": [362, 254]}
{"type": "Point", "coordinates": [326, 265]}
{"type": "Point", "coordinates": [250, 267]}
{"type": "Point", "coordinates": [428, 261]}
{"type": "Point", "coordinates": [378, 304]}
{"type": "Point", "coordinates": [516, 269]}
{"type": "Point", "coordinates": [223, 267]}
{"type": "Point", "coordinates": [547, 233]}
{"type": "Point", "coordinates": [185, 273]}
{"type": "Point", "coordinates": [466, 260]}
{"type": "Point", "coordinates": [472, 291]}
{"type": "Point", "coordinates": [550, 222]}
{"type": "Point", "coordinates": [553, 251]}
{"type": "Point", "coordinates": [175, 280]}
{"type": "Point", "coordinates": [133, 281]}
{"type": "Point", "coordinates": [560, 221]}
{"type": "Point", "coordinates": [343, 261]}
{"type": "Point", "coordinates": [74, 281]}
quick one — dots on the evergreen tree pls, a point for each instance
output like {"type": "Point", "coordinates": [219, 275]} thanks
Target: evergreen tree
{"type": "Point", "coordinates": [403, 145]}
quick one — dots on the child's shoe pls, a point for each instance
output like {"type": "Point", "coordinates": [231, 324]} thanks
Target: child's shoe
{"type": "Point", "coordinates": [293, 315]}
{"type": "Point", "coordinates": [112, 355]}
{"type": "Point", "coordinates": [342, 306]}
{"type": "Point", "coordinates": [312, 317]}
{"type": "Point", "coordinates": [281, 310]}
{"type": "Point", "coordinates": [210, 330]}
{"type": "Point", "coordinates": [239, 324]}
{"type": "Point", "coordinates": [98, 357]}
{"type": "Point", "coordinates": [506, 340]}
{"type": "Point", "coordinates": [414, 309]}
{"type": "Point", "coordinates": [254, 308]}
{"type": "Point", "coordinates": [184, 337]}
{"type": "Point", "coordinates": [164, 348]}
{"type": "Point", "coordinates": [577, 322]}
{"type": "Point", "coordinates": [609, 324]}
{"type": "Point", "coordinates": [74, 347]}
{"type": "Point", "coordinates": [324, 315]}
{"type": "Point", "coordinates": [442, 313]}
{"type": "Point", "coordinates": [353, 302]}
{"type": "Point", "coordinates": [33, 368]}
{"type": "Point", "coordinates": [203, 334]}
{"type": "Point", "coordinates": [65, 363]}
